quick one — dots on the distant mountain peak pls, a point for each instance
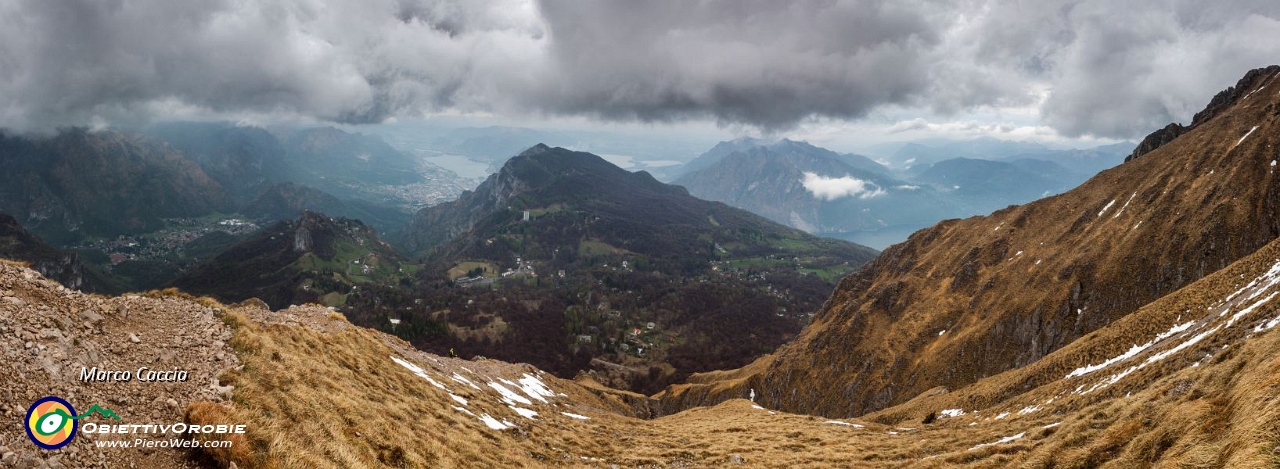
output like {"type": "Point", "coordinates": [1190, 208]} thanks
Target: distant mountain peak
{"type": "Point", "coordinates": [536, 150]}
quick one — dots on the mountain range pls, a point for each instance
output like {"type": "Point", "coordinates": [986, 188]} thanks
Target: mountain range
{"type": "Point", "coordinates": [561, 259]}
{"type": "Point", "coordinates": [814, 189]}
{"type": "Point", "coordinates": [1127, 322]}
{"type": "Point", "coordinates": [970, 299]}
{"type": "Point", "coordinates": [853, 197]}
{"type": "Point", "coordinates": [80, 183]}
{"type": "Point", "coordinates": [142, 206]}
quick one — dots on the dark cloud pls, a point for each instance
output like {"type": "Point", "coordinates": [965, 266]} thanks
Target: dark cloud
{"type": "Point", "coordinates": [1103, 68]}
{"type": "Point", "coordinates": [765, 63]}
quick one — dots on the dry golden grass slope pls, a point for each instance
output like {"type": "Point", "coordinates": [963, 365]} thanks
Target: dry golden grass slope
{"type": "Point", "coordinates": [1191, 380]}
{"type": "Point", "coordinates": [968, 299]}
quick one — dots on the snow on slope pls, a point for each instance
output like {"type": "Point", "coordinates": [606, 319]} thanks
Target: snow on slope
{"type": "Point", "coordinates": [517, 396]}
{"type": "Point", "coordinates": [1182, 336]}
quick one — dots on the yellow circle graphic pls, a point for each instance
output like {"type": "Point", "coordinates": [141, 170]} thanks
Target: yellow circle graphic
{"type": "Point", "coordinates": [50, 424]}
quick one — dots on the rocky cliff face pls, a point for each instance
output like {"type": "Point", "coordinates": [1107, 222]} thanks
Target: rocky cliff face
{"type": "Point", "coordinates": [435, 225]}
{"type": "Point", "coordinates": [17, 243]}
{"type": "Point", "coordinates": [971, 298]}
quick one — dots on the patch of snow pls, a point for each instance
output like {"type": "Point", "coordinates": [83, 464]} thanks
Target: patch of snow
{"type": "Point", "coordinates": [1106, 207]}
{"type": "Point", "coordinates": [1002, 416]}
{"type": "Point", "coordinates": [847, 424]}
{"type": "Point", "coordinates": [526, 413]}
{"type": "Point", "coordinates": [1264, 281]}
{"type": "Point", "coordinates": [1126, 204]}
{"type": "Point", "coordinates": [1250, 309]}
{"type": "Point", "coordinates": [1178, 348]}
{"type": "Point", "coordinates": [465, 411]}
{"type": "Point", "coordinates": [1053, 425]}
{"type": "Point", "coordinates": [419, 371]}
{"type": "Point", "coordinates": [953, 413]}
{"type": "Point", "coordinates": [1252, 92]}
{"type": "Point", "coordinates": [535, 388]}
{"type": "Point", "coordinates": [1133, 351]}
{"type": "Point", "coordinates": [1246, 135]}
{"type": "Point", "coordinates": [575, 416]}
{"type": "Point", "coordinates": [508, 395]}
{"type": "Point", "coordinates": [1110, 380]}
{"type": "Point", "coordinates": [1000, 441]}
{"type": "Point", "coordinates": [493, 423]}
{"type": "Point", "coordinates": [1029, 409]}
{"type": "Point", "coordinates": [460, 399]}
{"type": "Point", "coordinates": [462, 379]}
{"type": "Point", "coordinates": [1152, 359]}
{"type": "Point", "coordinates": [892, 432]}
{"type": "Point", "coordinates": [1269, 324]}
{"type": "Point", "coordinates": [753, 406]}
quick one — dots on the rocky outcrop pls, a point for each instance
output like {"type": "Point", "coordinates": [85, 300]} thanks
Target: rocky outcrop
{"type": "Point", "coordinates": [1220, 102]}
{"type": "Point", "coordinates": [1157, 139]}
{"type": "Point", "coordinates": [18, 244]}
{"type": "Point", "coordinates": [50, 334]}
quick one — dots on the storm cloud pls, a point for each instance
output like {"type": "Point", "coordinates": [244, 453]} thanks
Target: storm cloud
{"type": "Point", "coordinates": [1101, 68]}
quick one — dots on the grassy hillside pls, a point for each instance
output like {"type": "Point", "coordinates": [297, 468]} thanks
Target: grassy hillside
{"type": "Point", "coordinates": [312, 259]}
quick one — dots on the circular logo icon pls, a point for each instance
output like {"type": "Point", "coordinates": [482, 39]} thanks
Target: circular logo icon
{"type": "Point", "coordinates": [50, 424]}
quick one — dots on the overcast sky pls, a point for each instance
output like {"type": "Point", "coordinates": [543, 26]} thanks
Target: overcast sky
{"type": "Point", "coordinates": [1046, 70]}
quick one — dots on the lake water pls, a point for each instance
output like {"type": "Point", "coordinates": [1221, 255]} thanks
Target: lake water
{"type": "Point", "coordinates": [875, 239]}
{"type": "Point", "coordinates": [463, 166]}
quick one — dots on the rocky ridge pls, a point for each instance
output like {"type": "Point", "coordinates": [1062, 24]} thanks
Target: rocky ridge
{"type": "Point", "coordinates": [1220, 102]}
